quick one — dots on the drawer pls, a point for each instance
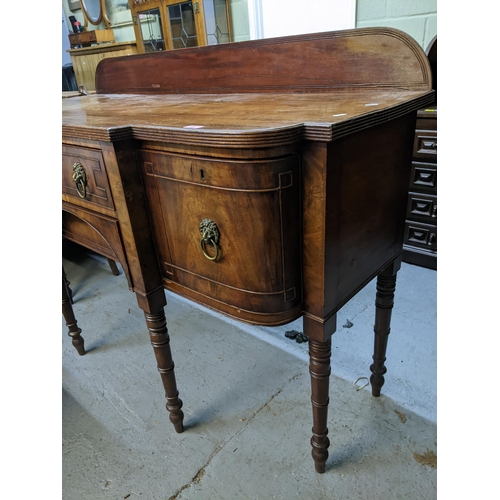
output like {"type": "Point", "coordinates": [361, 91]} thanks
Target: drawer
{"type": "Point", "coordinates": [96, 232]}
{"type": "Point", "coordinates": [425, 144]}
{"type": "Point", "coordinates": [255, 206]}
{"type": "Point", "coordinates": [421, 235]}
{"type": "Point", "coordinates": [426, 120]}
{"type": "Point", "coordinates": [423, 177]}
{"type": "Point", "coordinates": [422, 207]}
{"type": "Point", "coordinates": [94, 186]}
{"type": "Point", "coordinates": [84, 37]}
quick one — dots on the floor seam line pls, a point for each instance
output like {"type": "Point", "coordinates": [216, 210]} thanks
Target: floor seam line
{"type": "Point", "coordinates": [197, 477]}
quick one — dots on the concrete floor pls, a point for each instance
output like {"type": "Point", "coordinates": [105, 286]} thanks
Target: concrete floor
{"type": "Point", "coordinates": [246, 401]}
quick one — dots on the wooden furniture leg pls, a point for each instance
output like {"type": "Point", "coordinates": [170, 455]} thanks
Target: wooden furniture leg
{"type": "Point", "coordinates": [319, 369]}
{"type": "Point", "coordinates": [160, 340]}
{"type": "Point", "coordinates": [113, 267]}
{"type": "Point", "coordinates": [384, 302]}
{"type": "Point", "coordinates": [68, 289]}
{"type": "Point", "coordinates": [69, 316]}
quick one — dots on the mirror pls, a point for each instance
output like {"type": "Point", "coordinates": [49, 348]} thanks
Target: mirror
{"type": "Point", "coordinates": [95, 12]}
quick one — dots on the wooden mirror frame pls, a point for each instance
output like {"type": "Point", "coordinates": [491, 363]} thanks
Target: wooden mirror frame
{"type": "Point", "coordinates": [102, 14]}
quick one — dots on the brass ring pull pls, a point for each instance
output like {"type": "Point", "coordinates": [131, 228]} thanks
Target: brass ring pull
{"type": "Point", "coordinates": [210, 242]}
{"type": "Point", "coordinates": [80, 179]}
{"type": "Point", "coordinates": [209, 236]}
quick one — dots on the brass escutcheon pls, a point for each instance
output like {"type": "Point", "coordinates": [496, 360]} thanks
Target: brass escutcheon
{"type": "Point", "coordinates": [80, 179]}
{"type": "Point", "coordinates": [209, 236]}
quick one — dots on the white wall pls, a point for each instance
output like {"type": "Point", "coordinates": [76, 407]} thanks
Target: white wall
{"type": "Point", "coordinates": [269, 18]}
{"type": "Point", "coordinates": [418, 18]}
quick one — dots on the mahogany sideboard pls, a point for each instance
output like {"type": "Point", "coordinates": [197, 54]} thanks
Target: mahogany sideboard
{"type": "Point", "coordinates": [266, 179]}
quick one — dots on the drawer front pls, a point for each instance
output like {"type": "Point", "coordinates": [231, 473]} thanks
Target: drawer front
{"type": "Point", "coordinates": [422, 207]}
{"type": "Point", "coordinates": [421, 235]}
{"type": "Point", "coordinates": [426, 120]}
{"type": "Point", "coordinates": [85, 37]}
{"type": "Point", "coordinates": [425, 145]}
{"type": "Point", "coordinates": [75, 38]}
{"type": "Point", "coordinates": [80, 38]}
{"type": "Point", "coordinates": [95, 232]}
{"type": "Point", "coordinates": [423, 177]}
{"type": "Point", "coordinates": [255, 207]}
{"type": "Point", "coordinates": [94, 186]}
{"type": "Point", "coordinates": [89, 36]}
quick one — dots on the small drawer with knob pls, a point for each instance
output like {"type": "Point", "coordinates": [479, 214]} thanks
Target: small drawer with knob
{"type": "Point", "coordinates": [422, 207]}
{"type": "Point", "coordinates": [84, 177]}
{"type": "Point", "coordinates": [425, 145]}
{"type": "Point", "coordinates": [423, 177]}
{"type": "Point", "coordinates": [421, 235]}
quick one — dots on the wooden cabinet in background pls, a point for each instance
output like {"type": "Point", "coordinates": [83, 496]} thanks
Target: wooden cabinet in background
{"type": "Point", "coordinates": [420, 240]}
{"type": "Point", "coordinates": [176, 24]}
{"type": "Point", "coordinates": [86, 59]}
{"type": "Point", "coordinates": [420, 244]}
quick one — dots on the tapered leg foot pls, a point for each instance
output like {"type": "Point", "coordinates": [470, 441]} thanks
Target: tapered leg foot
{"type": "Point", "coordinates": [69, 316]}
{"type": "Point", "coordinates": [160, 340]}
{"type": "Point", "coordinates": [384, 302]}
{"type": "Point", "coordinates": [319, 369]}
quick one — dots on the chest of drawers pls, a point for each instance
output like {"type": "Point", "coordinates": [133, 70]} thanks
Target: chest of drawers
{"type": "Point", "coordinates": [420, 243]}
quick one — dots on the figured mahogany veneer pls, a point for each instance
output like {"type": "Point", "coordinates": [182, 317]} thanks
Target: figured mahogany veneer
{"type": "Point", "coordinates": [297, 150]}
{"type": "Point", "coordinates": [256, 206]}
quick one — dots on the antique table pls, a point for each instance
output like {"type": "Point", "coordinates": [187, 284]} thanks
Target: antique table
{"type": "Point", "coordinates": [265, 179]}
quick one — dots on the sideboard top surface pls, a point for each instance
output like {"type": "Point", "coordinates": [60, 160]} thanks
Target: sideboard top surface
{"type": "Point", "coordinates": [234, 117]}
{"type": "Point", "coordinates": [262, 92]}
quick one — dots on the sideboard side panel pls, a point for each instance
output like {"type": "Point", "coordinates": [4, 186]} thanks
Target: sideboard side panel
{"type": "Point", "coordinates": [375, 171]}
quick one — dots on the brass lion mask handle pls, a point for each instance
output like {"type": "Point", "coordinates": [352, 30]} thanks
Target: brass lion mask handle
{"type": "Point", "coordinates": [209, 237]}
{"type": "Point", "coordinates": [80, 179]}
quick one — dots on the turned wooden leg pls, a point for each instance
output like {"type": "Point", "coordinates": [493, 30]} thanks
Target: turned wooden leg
{"type": "Point", "coordinates": [69, 316]}
{"type": "Point", "coordinates": [69, 292]}
{"type": "Point", "coordinates": [386, 285]}
{"type": "Point", "coordinates": [160, 340]}
{"type": "Point", "coordinates": [319, 368]}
